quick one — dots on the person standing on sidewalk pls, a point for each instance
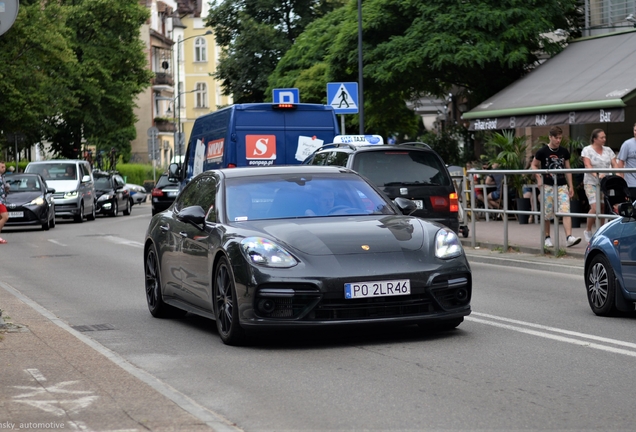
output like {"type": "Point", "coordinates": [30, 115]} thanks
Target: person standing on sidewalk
{"type": "Point", "coordinates": [4, 189]}
{"type": "Point", "coordinates": [627, 159]}
{"type": "Point", "coordinates": [595, 155]}
{"type": "Point", "coordinates": [553, 156]}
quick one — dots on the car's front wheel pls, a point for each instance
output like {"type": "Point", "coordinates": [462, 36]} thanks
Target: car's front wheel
{"type": "Point", "coordinates": [115, 209]}
{"type": "Point", "coordinates": [79, 217]}
{"type": "Point", "coordinates": [128, 207]}
{"type": "Point", "coordinates": [226, 305]}
{"type": "Point", "coordinates": [600, 283]}
{"type": "Point", "coordinates": [93, 214]}
{"type": "Point", "coordinates": [156, 305]}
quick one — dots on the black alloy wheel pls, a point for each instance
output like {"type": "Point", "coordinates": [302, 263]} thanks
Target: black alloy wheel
{"type": "Point", "coordinates": [600, 284]}
{"type": "Point", "coordinates": [226, 305]}
{"type": "Point", "coordinates": [156, 306]}
{"type": "Point", "coordinates": [46, 225]}
{"type": "Point", "coordinates": [128, 207]}
{"type": "Point", "coordinates": [79, 218]}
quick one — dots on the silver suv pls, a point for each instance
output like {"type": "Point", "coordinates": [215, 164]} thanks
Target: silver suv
{"type": "Point", "coordinates": [74, 187]}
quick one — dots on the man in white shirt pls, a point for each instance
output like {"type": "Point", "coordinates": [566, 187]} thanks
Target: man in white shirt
{"type": "Point", "coordinates": [627, 159]}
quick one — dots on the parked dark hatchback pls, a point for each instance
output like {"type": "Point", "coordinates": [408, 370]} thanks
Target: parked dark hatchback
{"type": "Point", "coordinates": [112, 197]}
{"type": "Point", "coordinates": [30, 201]}
{"type": "Point", "coordinates": [163, 194]}
{"type": "Point", "coordinates": [410, 170]}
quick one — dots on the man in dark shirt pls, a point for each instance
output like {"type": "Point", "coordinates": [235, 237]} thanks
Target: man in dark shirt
{"type": "Point", "coordinates": [553, 156]}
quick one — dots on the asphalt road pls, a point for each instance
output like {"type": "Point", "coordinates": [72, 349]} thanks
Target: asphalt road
{"type": "Point", "coordinates": [531, 356]}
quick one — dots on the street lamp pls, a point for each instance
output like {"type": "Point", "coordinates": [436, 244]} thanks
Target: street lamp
{"type": "Point", "coordinates": [360, 76]}
{"type": "Point", "coordinates": [178, 98]}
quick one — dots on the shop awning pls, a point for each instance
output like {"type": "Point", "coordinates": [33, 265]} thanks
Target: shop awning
{"type": "Point", "coordinates": [590, 81]}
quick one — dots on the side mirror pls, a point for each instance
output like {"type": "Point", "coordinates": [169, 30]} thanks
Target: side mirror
{"type": "Point", "coordinates": [86, 179]}
{"type": "Point", "coordinates": [50, 190]}
{"type": "Point", "coordinates": [626, 209]}
{"type": "Point", "coordinates": [406, 206]}
{"type": "Point", "coordinates": [174, 172]}
{"type": "Point", "coordinates": [194, 215]}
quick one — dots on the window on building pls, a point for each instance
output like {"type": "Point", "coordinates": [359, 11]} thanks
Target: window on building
{"type": "Point", "coordinates": [201, 95]}
{"type": "Point", "coordinates": [200, 50]}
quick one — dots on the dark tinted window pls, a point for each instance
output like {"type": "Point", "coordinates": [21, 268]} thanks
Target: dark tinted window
{"type": "Point", "coordinates": [401, 166]}
{"type": "Point", "coordinates": [338, 158]}
{"type": "Point", "coordinates": [201, 191]}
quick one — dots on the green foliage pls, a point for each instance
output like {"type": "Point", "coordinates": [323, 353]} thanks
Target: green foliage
{"type": "Point", "coordinates": [507, 151]}
{"type": "Point", "coordinates": [135, 173]}
{"type": "Point", "coordinates": [71, 72]}
{"type": "Point", "coordinates": [255, 34]}
{"type": "Point", "coordinates": [446, 144]}
{"type": "Point", "coordinates": [37, 71]}
{"type": "Point", "coordinates": [413, 48]}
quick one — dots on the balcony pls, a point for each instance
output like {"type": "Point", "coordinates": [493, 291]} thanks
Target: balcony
{"type": "Point", "coordinates": [164, 125]}
{"type": "Point", "coordinates": [163, 79]}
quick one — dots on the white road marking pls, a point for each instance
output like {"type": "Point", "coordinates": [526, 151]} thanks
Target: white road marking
{"type": "Point", "coordinates": [56, 242]}
{"type": "Point", "coordinates": [122, 241]}
{"type": "Point", "coordinates": [501, 323]}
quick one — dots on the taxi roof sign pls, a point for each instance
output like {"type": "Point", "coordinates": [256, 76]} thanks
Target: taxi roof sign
{"type": "Point", "coordinates": [358, 139]}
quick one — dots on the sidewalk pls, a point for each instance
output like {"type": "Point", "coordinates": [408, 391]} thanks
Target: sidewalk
{"type": "Point", "coordinates": [52, 377]}
{"type": "Point", "coordinates": [524, 242]}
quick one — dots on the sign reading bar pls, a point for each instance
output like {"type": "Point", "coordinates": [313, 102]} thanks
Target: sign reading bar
{"type": "Point", "coordinates": [610, 115]}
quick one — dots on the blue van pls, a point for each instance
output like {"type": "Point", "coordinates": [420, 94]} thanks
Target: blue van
{"type": "Point", "coordinates": [256, 134]}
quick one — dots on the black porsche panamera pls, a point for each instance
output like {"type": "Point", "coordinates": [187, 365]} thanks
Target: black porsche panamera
{"type": "Point", "coordinates": [296, 246]}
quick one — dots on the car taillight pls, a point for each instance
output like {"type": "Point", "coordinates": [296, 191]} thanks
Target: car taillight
{"type": "Point", "coordinates": [231, 165]}
{"type": "Point", "coordinates": [439, 203]}
{"type": "Point", "coordinates": [157, 192]}
{"type": "Point", "coordinates": [454, 203]}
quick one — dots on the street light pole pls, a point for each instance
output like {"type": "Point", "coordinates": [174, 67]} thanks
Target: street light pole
{"type": "Point", "coordinates": [179, 92]}
{"type": "Point", "coordinates": [360, 76]}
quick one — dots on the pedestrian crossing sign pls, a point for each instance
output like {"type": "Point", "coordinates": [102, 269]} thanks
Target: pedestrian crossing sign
{"type": "Point", "coordinates": [343, 97]}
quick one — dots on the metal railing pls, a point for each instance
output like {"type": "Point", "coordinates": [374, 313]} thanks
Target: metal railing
{"type": "Point", "coordinates": [469, 211]}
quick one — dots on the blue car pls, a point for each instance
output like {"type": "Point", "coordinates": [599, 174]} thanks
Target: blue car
{"type": "Point", "coordinates": [610, 265]}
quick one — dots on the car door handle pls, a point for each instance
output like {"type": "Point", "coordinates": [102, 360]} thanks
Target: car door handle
{"type": "Point", "coordinates": [183, 234]}
{"type": "Point", "coordinates": [165, 228]}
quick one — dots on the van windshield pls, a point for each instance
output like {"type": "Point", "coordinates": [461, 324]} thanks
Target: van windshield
{"type": "Point", "coordinates": [55, 171]}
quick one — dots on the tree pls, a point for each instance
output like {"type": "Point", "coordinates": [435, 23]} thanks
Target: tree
{"type": "Point", "coordinates": [111, 71]}
{"type": "Point", "coordinates": [413, 48]}
{"type": "Point", "coordinates": [37, 71]}
{"type": "Point", "coordinates": [254, 35]}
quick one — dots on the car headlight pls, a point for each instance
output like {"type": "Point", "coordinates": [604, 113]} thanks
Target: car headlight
{"type": "Point", "coordinates": [38, 201]}
{"type": "Point", "coordinates": [447, 244]}
{"type": "Point", "coordinates": [264, 252]}
{"type": "Point", "coordinates": [105, 197]}
{"type": "Point", "coordinates": [71, 194]}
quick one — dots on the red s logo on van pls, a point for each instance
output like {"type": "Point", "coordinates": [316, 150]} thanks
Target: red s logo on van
{"type": "Point", "coordinates": [261, 147]}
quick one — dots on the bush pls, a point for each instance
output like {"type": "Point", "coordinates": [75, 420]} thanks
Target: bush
{"type": "Point", "coordinates": [137, 173]}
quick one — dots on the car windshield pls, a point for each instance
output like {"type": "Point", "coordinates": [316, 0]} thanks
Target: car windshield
{"type": "Point", "coordinates": [295, 196]}
{"type": "Point", "coordinates": [54, 171]}
{"type": "Point", "coordinates": [23, 184]}
{"type": "Point", "coordinates": [392, 167]}
{"type": "Point", "coordinates": [102, 183]}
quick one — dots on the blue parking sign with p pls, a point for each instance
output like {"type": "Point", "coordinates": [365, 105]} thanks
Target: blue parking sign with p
{"type": "Point", "coordinates": [286, 95]}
